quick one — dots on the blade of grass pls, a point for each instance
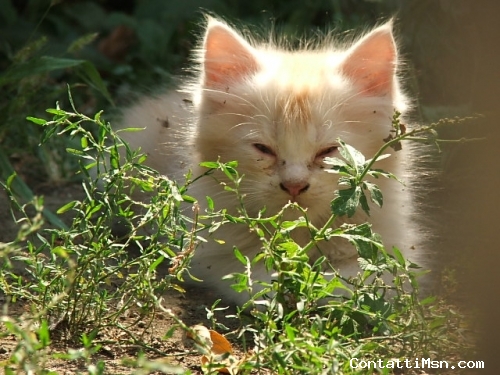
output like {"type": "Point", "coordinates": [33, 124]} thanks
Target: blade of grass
{"type": "Point", "coordinates": [22, 190]}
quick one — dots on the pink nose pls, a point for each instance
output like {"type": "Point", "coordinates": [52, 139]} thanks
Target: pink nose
{"type": "Point", "coordinates": [294, 188]}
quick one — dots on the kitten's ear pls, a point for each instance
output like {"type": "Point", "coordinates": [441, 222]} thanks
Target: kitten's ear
{"type": "Point", "coordinates": [227, 57]}
{"type": "Point", "coordinates": [371, 62]}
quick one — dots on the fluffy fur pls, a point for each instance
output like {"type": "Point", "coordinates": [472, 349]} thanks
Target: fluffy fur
{"type": "Point", "coordinates": [279, 113]}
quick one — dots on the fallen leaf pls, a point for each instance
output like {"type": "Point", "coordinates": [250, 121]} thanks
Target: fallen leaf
{"type": "Point", "coordinates": [215, 349]}
{"type": "Point", "coordinates": [220, 343]}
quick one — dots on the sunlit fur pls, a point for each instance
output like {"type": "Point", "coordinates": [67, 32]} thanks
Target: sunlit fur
{"type": "Point", "coordinates": [296, 103]}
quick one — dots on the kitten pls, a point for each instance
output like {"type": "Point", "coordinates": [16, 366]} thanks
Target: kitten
{"type": "Point", "coordinates": [279, 113]}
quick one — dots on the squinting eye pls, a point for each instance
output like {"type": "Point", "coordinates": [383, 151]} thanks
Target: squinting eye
{"type": "Point", "coordinates": [326, 152]}
{"type": "Point", "coordinates": [264, 149]}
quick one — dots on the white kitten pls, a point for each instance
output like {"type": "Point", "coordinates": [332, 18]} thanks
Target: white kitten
{"type": "Point", "coordinates": [279, 113]}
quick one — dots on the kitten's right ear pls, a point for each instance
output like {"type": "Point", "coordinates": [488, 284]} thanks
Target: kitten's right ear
{"type": "Point", "coordinates": [371, 62]}
{"type": "Point", "coordinates": [227, 57]}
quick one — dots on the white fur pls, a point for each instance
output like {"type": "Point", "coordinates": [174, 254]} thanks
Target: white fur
{"type": "Point", "coordinates": [297, 103]}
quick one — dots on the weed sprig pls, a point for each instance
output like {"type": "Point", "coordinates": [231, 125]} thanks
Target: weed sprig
{"type": "Point", "coordinates": [80, 280]}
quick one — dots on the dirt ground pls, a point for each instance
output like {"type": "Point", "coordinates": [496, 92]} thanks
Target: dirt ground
{"type": "Point", "coordinates": [117, 346]}
{"type": "Point", "coordinates": [190, 307]}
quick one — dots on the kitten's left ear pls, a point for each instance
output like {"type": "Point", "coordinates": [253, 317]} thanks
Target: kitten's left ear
{"type": "Point", "coordinates": [227, 57]}
{"type": "Point", "coordinates": [371, 62]}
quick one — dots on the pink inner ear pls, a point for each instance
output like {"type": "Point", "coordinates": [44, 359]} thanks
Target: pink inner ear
{"type": "Point", "coordinates": [228, 58]}
{"type": "Point", "coordinates": [371, 62]}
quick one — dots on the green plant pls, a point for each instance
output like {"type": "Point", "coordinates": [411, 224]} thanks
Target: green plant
{"type": "Point", "coordinates": [70, 271]}
{"type": "Point", "coordinates": [83, 279]}
{"type": "Point", "coordinates": [32, 77]}
{"type": "Point", "coordinates": [303, 322]}
{"type": "Point", "coordinates": [30, 353]}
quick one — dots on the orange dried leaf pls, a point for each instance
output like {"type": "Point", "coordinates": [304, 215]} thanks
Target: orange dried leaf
{"type": "Point", "coordinates": [220, 343]}
{"type": "Point", "coordinates": [215, 348]}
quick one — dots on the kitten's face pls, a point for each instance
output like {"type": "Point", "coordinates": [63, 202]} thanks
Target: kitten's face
{"type": "Point", "coordinates": [279, 114]}
{"type": "Point", "coordinates": [280, 140]}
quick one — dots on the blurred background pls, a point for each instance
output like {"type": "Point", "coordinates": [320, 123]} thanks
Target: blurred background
{"type": "Point", "coordinates": [109, 51]}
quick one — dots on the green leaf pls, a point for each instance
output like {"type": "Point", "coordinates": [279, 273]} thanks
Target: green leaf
{"type": "Point", "coordinates": [352, 156]}
{"type": "Point", "coordinates": [237, 253]}
{"type": "Point", "coordinates": [130, 130]}
{"type": "Point", "coordinates": [156, 263]}
{"type": "Point", "coordinates": [346, 181]}
{"type": "Point", "coordinates": [210, 203]}
{"type": "Point", "coordinates": [346, 202]}
{"type": "Point", "coordinates": [165, 211]}
{"type": "Point", "coordinates": [209, 164]}
{"type": "Point", "coordinates": [84, 142]}
{"type": "Point", "coordinates": [43, 334]}
{"type": "Point", "coordinates": [91, 76]}
{"type": "Point", "coordinates": [188, 198]}
{"type": "Point", "coordinates": [290, 331]}
{"type": "Point", "coordinates": [364, 202]}
{"type": "Point", "coordinates": [36, 66]}
{"type": "Point", "coordinates": [114, 157]}
{"type": "Point", "coordinates": [55, 111]}
{"type": "Point", "coordinates": [399, 257]}
{"type": "Point", "coordinates": [67, 207]}
{"type": "Point", "coordinates": [21, 189]}
{"type": "Point", "coordinates": [97, 116]}
{"type": "Point", "coordinates": [38, 121]}
{"type": "Point", "coordinates": [48, 133]}
{"type": "Point", "coordinates": [46, 64]}
{"type": "Point", "coordinates": [288, 226]}
{"type": "Point", "coordinates": [10, 179]}
{"type": "Point", "coordinates": [75, 151]}
{"type": "Point", "coordinates": [60, 252]}
{"type": "Point", "coordinates": [381, 173]}
{"type": "Point", "coordinates": [229, 171]}
{"type": "Point", "coordinates": [380, 157]}
{"type": "Point", "coordinates": [375, 304]}
{"type": "Point", "coordinates": [290, 247]}
{"type": "Point", "coordinates": [93, 209]}
{"type": "Point", "coordinates": [174, 191]}
{"type": "Point", "coordinates": [240, 279]}
{"type": "Point", "coordinates": [335, 162]}
{"type": "Point", "coordinates": [364, 240]}
{"type": "Point", "coordinates": [340, 166]}
{"type": "Point", "coordinates": [375, 193]}
{"type": "Point", "coordinates": [367, 265]}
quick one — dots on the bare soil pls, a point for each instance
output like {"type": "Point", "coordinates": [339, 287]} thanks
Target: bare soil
{"type": "Point", "coordinates": [191, 307]}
